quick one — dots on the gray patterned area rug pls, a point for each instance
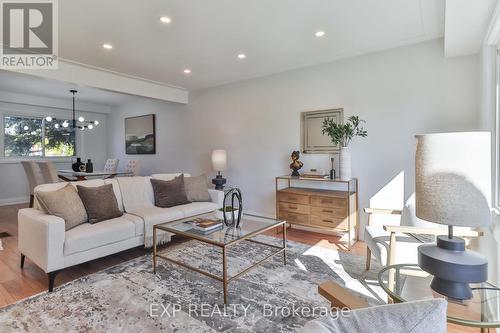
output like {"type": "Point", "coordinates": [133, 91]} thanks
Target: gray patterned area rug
{"type": "Point", "coordinates": [130, 298]}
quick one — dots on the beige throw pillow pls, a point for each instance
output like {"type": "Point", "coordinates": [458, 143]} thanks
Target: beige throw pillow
{"type": "Point", "coordinates": [197, 188]}
{"type": "Point", "coordinates": [64, 203]}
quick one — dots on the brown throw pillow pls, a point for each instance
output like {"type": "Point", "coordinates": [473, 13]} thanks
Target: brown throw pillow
{"type": "Point", "coordinates": [197, 188]}
{"type": "Point", "coordinates": [100, 202]}
{"type": "Point", "coordinates": [169, 193]}
{"type": "Point", "coordinates": [64, 203]}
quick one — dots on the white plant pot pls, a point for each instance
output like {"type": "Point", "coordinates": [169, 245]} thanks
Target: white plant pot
{"type": "Point", "coordinates": [345, 163]}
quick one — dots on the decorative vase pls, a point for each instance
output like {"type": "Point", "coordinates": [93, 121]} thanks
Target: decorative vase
{"type": "Point", "coordinates": [89, 167]}
{"type": "Point", "coordinates": [220, 215]}
{"type": "Point", "coordinates": [77, 165]}
{"type": "Point", "coordinates": [345, 163]}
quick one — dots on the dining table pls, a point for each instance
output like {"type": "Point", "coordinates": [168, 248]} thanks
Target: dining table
{"type": "Point", "coordinates": [80, 176]}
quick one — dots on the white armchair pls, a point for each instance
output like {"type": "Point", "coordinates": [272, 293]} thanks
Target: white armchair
{"type": "Point", "coordinates": [393, 244]}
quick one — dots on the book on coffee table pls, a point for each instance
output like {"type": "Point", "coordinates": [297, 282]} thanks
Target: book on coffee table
{"type": "Point", "coordinates": [205, 225]}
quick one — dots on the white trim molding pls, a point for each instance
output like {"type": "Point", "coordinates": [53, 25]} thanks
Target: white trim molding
{"type": "Point", "coordinates": [14, 201]}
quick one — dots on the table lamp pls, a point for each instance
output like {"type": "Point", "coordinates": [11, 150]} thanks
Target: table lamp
{"type": "Point", "coordinates": [219, 164]}
{"type": "Point", "coordinates": [453, 187]}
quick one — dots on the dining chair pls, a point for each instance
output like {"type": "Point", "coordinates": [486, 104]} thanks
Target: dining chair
{"type": "Point", "coordinates": [34, 175]}
{"type": "Point", "coordinates": [111, 165]}
{"type": "Point", "coordinates": [132, 167]}
{"type": "Point", "coordinates": [49, 172]}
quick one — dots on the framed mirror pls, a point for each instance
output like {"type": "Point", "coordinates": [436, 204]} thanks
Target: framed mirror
{"type": "Point", "coordinates": [312, 139]}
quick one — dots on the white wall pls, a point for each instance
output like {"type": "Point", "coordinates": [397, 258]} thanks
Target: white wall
{"type": "Point", "coordinates": [399, 92]}
{"type": "Point", "coordinates": [172, 133]}
{"type": "Point", "coordinates": [91, 144]}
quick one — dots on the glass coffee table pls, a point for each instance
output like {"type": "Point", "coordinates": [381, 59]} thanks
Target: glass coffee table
{"type": "Point", "coordinates": [250, 227]}
{"type": "Point", "coordinates": [407, 282]}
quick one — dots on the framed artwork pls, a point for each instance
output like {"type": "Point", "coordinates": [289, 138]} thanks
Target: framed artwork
{"type": "Point", "coordinates": [140, 135]}
{"type": "Point", "coordinates": [312, 139]}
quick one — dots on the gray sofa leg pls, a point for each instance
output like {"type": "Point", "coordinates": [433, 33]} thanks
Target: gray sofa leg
{"type": "Point", "coordinates": [52, 276]}
{"type": "Point", "coordinates": [22, 260]}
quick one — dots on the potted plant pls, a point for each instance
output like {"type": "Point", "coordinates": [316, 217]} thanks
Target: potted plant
{"type": "Point", "coordinates": [228, 211]}
{"type": "Point", "coordinates": [341, 135]}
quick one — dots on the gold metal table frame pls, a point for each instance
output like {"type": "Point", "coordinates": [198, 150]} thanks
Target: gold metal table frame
{"type": "Point", "coordinates": [224, 278]}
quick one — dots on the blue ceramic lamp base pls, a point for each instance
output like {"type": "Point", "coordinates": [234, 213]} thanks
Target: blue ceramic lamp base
{"type": "Point", "coordinates": [453, 266]}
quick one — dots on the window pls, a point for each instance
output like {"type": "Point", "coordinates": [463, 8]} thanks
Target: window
{"type": "Point", "coordinates": [33, 136]}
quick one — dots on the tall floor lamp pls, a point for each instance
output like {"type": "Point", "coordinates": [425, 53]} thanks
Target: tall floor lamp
{"type": "Point", "coordinates": [453, 187]}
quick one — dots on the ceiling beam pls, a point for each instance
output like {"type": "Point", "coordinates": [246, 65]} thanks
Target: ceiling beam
{"type": "Point", "coordinates": [112, 81]}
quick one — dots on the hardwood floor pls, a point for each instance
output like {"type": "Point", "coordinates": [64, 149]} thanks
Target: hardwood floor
{"type": "Point", "coordinates": [17, 283]}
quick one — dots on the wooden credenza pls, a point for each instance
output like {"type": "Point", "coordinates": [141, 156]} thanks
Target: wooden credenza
{"type": "Point", "coordinates": [327, 209]}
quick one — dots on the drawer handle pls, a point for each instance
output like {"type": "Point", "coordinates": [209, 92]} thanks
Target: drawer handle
{"type": "Point", "coordinates": [292, 216]}
{"type": "Point", "coordinates": [326, 201]}
{"type": "Point", "coordinates": [325, 220]}
{"type": "Point", "coordinates": [292, 199]}
{"type": "Point", "coordinates": [327, 211]}
{"type": "Point", "coordinates": [293, 207]}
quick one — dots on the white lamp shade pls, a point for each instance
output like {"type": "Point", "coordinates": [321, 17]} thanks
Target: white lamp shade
{"type": "Point", "coordinates": [453, 178]}
{"type": "Point", "coordinates": [219, 160]}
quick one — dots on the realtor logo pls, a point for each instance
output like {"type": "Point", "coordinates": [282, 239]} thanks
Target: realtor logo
{"type": "Point", "coordinates": [29, 34]}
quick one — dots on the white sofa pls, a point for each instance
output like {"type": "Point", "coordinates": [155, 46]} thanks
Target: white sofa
{"type": "Point", "coordinates": [43, 239]}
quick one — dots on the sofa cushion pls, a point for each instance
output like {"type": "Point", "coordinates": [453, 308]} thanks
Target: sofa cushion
{"type": "Point", "coordinates": [100, 202]}
{"type": "Point", "coordinates": [136, 192]}
{"type": "Point", "coordinates": [169, 193]}
{"type": "Point", "coordinates": [64, 203]}
{"type": "Point", "coordinates": [377, 240]}
{"type": "Point", "coordinates": [418, 317]}
{"type": "Point", "coordinates": [196, 208]}
{"type": "Point", "coordinates": [57, 186]}
{"type": "Point", "coordinates": [168, 176]}
{"type": "Point", "coordinates": [116, 190]}
{"type": "Point", "coordinates": [88, 236]}
{"type": "Point", "coordinates": [137, 221]}
{"type": "Point", "coordinates": [154, 215]}
{"type": "Point", "coordinates": [197, 188]}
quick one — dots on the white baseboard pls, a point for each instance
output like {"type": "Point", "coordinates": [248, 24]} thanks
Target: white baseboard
{"type": "Point", "coordinates": [14, 201]}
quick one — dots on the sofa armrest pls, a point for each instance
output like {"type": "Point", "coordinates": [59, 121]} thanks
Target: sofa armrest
{"type": "Point", "coordinates": [41, 238]}
{"type": "Point", "coordinates": [217, 197]}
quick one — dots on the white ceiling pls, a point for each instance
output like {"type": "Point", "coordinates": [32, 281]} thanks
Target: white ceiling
{"type": "Point", "coordinates": [466, 23]}
{"type": "Point", "coordinates": [207, 35]}
{"type": "Point", "coordinates": [31, 85]}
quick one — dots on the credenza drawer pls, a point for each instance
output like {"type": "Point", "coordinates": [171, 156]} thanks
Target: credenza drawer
{"type": "Point", "coordinates": [292, 197]}
{"type": "Point", "coordinates": [339, 223]}
{"type": "Point", "coordinates": [328, 212]}
{"type": "Point", "coordinates": [294, 208]}
{"type": "Point", "coordinates": [330, 202]}
{"type": "Point", "coordinates": [294, 217]}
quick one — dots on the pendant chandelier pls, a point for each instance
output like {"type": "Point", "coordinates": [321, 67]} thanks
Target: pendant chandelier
{"type": "Point", "coordinates": [81, 124]}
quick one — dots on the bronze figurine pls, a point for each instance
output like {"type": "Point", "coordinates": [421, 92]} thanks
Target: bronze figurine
{"type": "Point", "coordinates": [296, 164]}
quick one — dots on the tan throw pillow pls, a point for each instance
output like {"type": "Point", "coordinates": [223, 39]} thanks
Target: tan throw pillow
{"type": "Point", "coordinates": [197, 188]}
{"type": "Point", "coordinates": [64, 203]}
{"type": "Point", "coordinates": [100, 202]}
{"type": "Point", "coordinates": [169, 193]}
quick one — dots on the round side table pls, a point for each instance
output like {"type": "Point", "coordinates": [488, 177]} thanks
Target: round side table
{"type": "Point", "coordinates": [407, 282]}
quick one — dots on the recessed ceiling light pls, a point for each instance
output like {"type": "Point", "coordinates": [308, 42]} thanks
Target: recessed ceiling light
{"type": "Point", "coordinates": [242, 56]}
{"type": "Point", "coordinates": [187, 71]}
{"type": "Point", "coordinates": [320, 33]}
{"type": "Point", "coordinates": [107, 46]}
{"type": "Point", "coordinates": [165, 19]}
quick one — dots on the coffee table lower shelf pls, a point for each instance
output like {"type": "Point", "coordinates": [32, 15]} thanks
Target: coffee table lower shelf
{"type": "Point", "coordinates": [224, 278]}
